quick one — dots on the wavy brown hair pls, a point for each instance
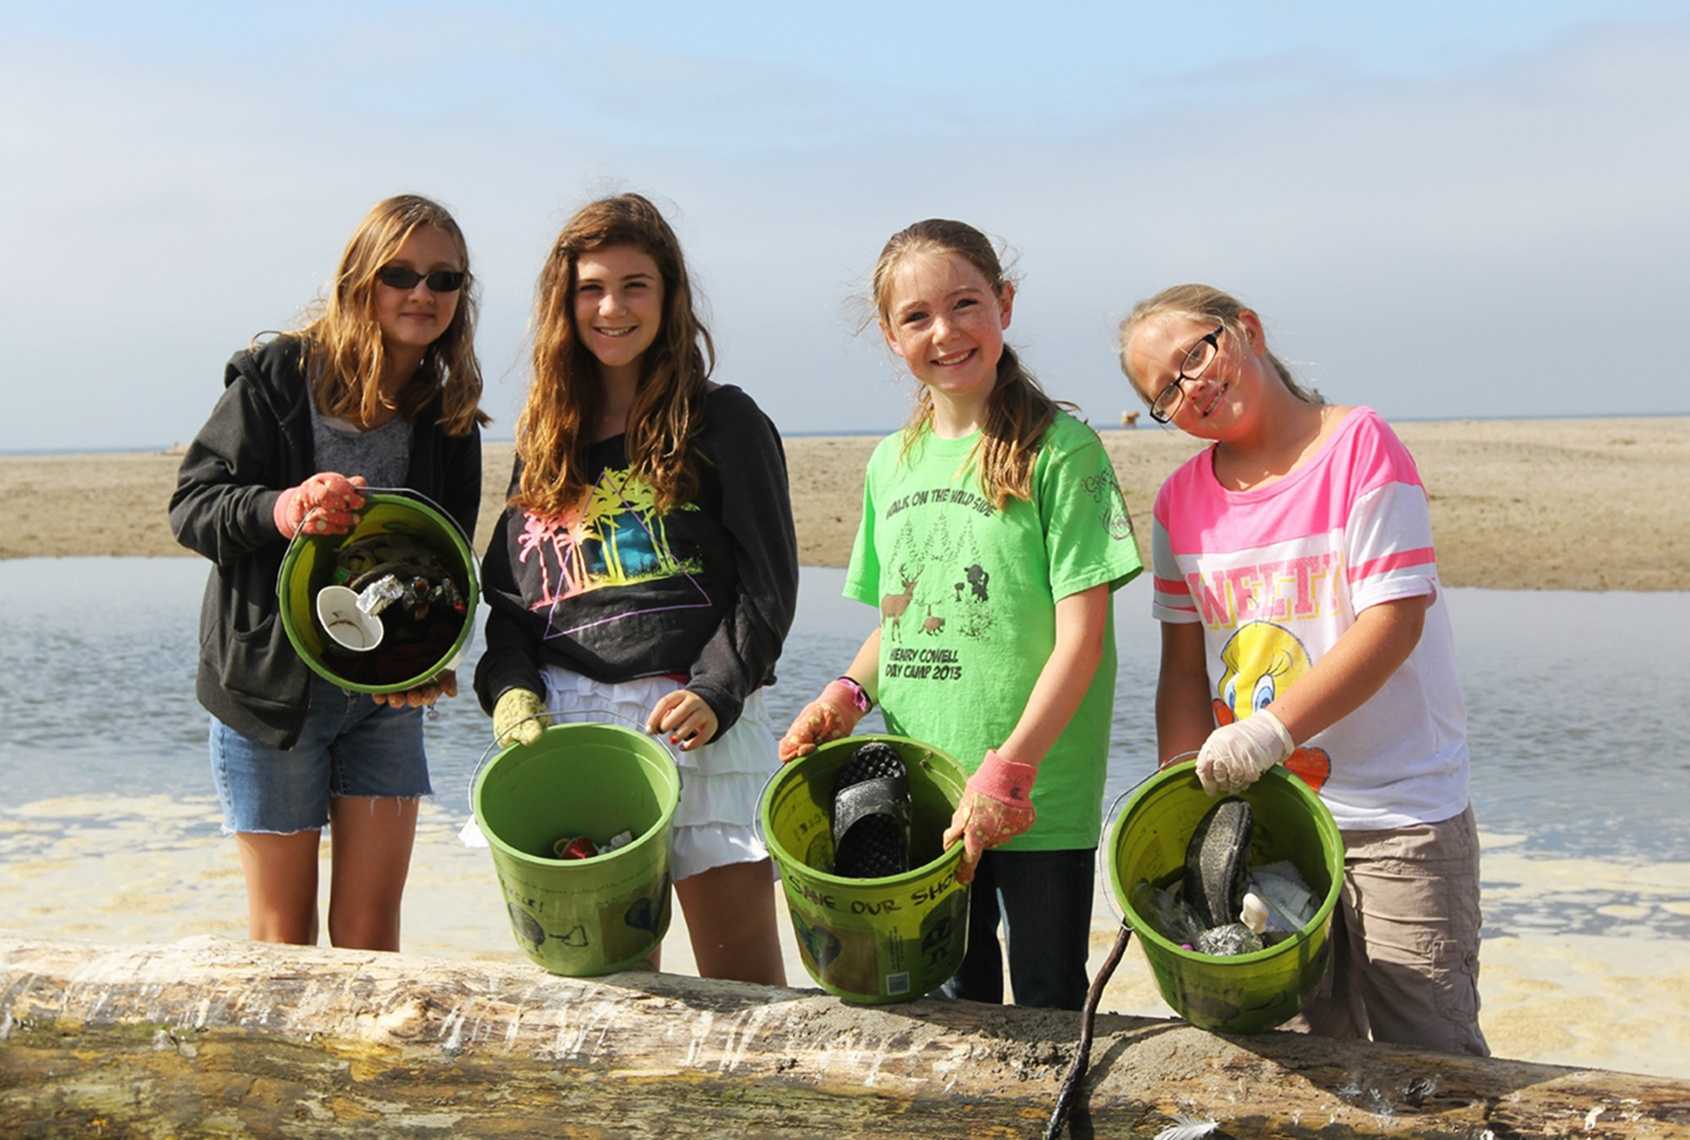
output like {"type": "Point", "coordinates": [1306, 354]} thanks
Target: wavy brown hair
{"type": "Point", "coordinates": [1018, 411]}
{"type": "Point", "coordinates": [343, 341]}
{"type": "Point", "coordinates": [566, 394]}
{"type": "Point", "coordinates": [1203, 303]}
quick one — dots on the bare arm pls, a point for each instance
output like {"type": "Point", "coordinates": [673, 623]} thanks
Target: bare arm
{"type": "Point", "coordinates": [1184, 717]}
{"type": "Point", "coordinates": [1354, 669]}
{"type": "Point", "coordinates": [865, 666]}
{"type": "Point", "coordinates": [1081, 620]}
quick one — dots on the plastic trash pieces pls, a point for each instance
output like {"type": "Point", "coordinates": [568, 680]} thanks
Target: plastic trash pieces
{"type": "Point", "coordinates": [1278, 899]}
{"type": "Point", "coordinates": [583, 847]}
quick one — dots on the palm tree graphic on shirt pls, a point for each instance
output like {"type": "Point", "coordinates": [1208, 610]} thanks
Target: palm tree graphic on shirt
{"type": "Point", "coordinates": [617, 537]}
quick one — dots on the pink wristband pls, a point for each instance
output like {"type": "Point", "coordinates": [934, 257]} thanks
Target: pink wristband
{"type": "Point", "coordinates": [858, 695]}
{"type": "Point", "coordinates": [1007, 781]}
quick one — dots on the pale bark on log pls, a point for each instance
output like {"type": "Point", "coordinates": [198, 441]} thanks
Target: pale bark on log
{"type": "Point", "coordinates": [235, 1037]}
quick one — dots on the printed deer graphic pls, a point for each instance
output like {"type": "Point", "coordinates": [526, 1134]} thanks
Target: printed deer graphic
{"type": "Point", "coordinates": [933, 624]}
{"type": "Point", "coordinates": [893, 605]}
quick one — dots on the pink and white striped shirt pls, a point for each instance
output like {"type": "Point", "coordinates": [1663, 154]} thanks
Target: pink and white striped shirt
{"type": "Point", "coordinates": [1277, 574]}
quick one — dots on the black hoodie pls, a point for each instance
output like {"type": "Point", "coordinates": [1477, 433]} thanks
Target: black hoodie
{"type": "Point", "coordinates": [256, 444]}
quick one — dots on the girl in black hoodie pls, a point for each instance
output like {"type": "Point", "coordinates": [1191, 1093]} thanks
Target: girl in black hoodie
{"type": "Point", "coordinates": [381, 388]}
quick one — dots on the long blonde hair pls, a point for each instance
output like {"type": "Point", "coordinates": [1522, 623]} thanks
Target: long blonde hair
{"type": "Point", "coordinates": [1203, 303]}
{"type": "Point", "coordinates": [343, 344]}
{"type": "Point", "coordinates": [566, 394]}
{"type": "Point", "coordinates": [1017, 411]}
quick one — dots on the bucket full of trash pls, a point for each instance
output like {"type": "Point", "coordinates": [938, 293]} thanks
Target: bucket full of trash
{"type": "Point", "coordinates": [855, 828]}
{"type": "Point", "coordinates": [1232, 898]}
{"type": "Point", "coordinates": [387, 606]}
{"type": "Point", "coordinates": [578, 824]}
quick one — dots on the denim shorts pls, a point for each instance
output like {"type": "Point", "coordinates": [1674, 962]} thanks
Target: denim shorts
{"type": "Point", "coordinates": [348, 746]}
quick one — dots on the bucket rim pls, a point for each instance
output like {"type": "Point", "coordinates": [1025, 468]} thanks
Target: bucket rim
{"type": "Point", "coordinates": [659, 830]}
{"type": "Point", "coordinates": [782, 857]}
{"type": "Point", "coordinates": [472, 594]}
{"type": "Point", "coordinates": [1331, 842]}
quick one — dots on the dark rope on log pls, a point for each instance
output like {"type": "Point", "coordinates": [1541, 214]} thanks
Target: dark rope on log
{"type": "Point", "coordinates": [1076, 1075]}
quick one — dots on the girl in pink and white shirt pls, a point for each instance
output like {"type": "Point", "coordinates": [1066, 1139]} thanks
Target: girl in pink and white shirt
{"type": "Point", "coordinates": [1303, 624]}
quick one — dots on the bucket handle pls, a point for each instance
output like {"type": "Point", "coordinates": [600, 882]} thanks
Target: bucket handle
{"type": "Point", "coordinates": [1109, 819]}
{"type": "Point", "coordinates": [596, 716]}
{"type": "Point", "coordinates": [757, 811]}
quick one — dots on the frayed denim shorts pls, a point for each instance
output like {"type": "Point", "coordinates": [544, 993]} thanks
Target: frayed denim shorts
{"type": "Point", "coordinates": [348, 746]}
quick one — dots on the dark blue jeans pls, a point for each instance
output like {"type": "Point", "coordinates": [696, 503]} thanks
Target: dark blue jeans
{"type": "Point", "coordinates": [1043, 900]}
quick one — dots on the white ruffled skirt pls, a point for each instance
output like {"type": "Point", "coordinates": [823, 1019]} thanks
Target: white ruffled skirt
{"type": "Point", "coordinates": [720, 782]}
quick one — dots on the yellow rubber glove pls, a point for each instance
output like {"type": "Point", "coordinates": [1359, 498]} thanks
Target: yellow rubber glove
{"type": "Point", "coordinates": [519, 717]}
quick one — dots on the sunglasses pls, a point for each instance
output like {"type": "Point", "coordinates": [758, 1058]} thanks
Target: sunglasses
{"type": "Point", "coordinates": [439, 281]}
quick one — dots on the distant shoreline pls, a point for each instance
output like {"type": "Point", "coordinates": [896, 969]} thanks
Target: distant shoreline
{"type": "Point", "coordinates": [1144, 424]}
{"type": "Point", "coordinates": [1548, 503]}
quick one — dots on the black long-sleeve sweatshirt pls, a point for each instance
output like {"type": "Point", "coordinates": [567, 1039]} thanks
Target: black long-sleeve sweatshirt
{"type": "Point", "coordinates": [617, 591]}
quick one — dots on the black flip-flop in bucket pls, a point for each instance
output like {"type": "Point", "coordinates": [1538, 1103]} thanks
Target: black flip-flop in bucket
{"type": "Point", "coordinates": [871, 814]}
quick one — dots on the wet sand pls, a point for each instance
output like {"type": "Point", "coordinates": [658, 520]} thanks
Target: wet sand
{"type": "Point", "coordinates": [1525, 504]}
{"type": "Point", "coordinates": [144, 870]}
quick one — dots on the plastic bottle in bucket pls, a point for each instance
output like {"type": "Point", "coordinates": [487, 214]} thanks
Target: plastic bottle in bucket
{"type": "Point", "coordinates": [879, 940]}
{"type": "Point", "coordinates": [1146, 843]}
{"type": "Point", "coordinates": [432, 634]}
{"type": "Point", "coordinates": [576, 908]}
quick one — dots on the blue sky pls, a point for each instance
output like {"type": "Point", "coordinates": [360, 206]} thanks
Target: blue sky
{"type": "Point", "coordinates": [1439, 210]}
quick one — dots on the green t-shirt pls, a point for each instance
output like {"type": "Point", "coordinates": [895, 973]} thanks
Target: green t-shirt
{"type": "Point", "coordinates": [967, 596]}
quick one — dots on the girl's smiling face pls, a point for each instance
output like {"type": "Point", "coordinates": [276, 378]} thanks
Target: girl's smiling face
{"type": "Point", "coordinates": [946, 322]}
{"type": "Point", "coordinates": [1214, 402]}
{"type": "Point", "coordinates": [618, 307]}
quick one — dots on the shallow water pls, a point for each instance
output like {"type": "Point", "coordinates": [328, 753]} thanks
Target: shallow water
{"type": "Point", "coordinates": [1574, 700]}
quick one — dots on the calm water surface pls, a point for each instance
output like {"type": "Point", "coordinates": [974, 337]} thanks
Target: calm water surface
{"type": "Point", "coordinates": [1575, 700]}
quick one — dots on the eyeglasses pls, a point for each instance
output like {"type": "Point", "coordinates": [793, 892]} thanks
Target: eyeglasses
{"type": "Point", "coordinates": [1197, 361]}
{"type": "Point", "coordinates": [439, 281]}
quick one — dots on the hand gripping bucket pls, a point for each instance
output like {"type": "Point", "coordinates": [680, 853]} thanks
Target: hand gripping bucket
{"type": "Point", "coordinates": [869, 941]}
{"type": "Point", "coordinates": [1248, 993]}
{"type": "Point", "coordinates": [309, 565]}
{"type": "Point", "coordinates": [581, 917]}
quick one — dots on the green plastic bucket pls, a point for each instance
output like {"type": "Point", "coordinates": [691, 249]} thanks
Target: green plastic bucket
{"type": "Point", "coordinates": [581, 917]}
{"type": "Point", "coordinates": [309, 564]}
{"type": "Point", "coordinates": [870, 941]}
{"type": "Point", "coordinates": [1248, 993]}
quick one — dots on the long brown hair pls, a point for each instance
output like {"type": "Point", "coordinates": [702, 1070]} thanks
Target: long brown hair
{"type": "Point", "coordinates": [566, 393]}
{"type": "Point", "coordinates": [1204, 303]}
{"type": "Point", "coordinates": [1017, 411]}
{"type": "Point", "coordinates": [343, 341]}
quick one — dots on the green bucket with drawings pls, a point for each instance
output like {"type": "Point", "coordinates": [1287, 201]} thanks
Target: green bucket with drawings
{"type": "Point", "coordinates": [1246, 993]}
{"type": "Point", "coordinates": [870, 941]}
{"type": "Point", "coordinates": [586, 916]}
{"type": "Point", "coordinates": [399, 534]}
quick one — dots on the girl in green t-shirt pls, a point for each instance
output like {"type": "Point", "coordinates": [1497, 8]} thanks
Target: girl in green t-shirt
{"type": "Point", "coordinates": [992, 533]}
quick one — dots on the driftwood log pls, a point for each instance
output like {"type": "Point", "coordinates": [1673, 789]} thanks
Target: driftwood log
{"type": "Point", "coordinates": [213, 1036]}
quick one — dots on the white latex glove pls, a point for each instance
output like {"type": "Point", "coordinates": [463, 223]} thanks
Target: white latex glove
{"type": "Point", "coordinates": [1236, 754]}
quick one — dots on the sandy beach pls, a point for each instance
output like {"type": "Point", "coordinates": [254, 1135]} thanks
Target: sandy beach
{"type": "Point", "coordinates": [1522, 504]}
